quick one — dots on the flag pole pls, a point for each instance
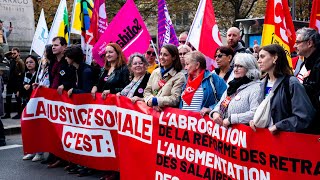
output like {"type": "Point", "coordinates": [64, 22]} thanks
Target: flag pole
{"type": "Point", "coordinates": [155, 50]}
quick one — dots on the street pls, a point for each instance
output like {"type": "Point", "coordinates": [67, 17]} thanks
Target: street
{"type": "Point", "coordinates": [13, 167]}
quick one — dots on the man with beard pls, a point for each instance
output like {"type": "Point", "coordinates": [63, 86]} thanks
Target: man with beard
{"type": "Point", "coordinates": [233, 40]}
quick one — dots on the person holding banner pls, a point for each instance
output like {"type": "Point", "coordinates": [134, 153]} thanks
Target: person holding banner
{"type": "Point", "coordinates": [114, 75]}
{"type": "Point", "coordinates": [165, 84]}
{"type": "Point", "coordinates": [239, 103]}
{"type": "Point", "coordinates": [84, 82]}
{"type": "Point", "coordinates": [25, 91]}
{"type": "Point", "coordinates": [203, 89]}
{"type": "Point", "coordinates": [290, 108]}
{"type": "Point", "coordinates": [138, 67]}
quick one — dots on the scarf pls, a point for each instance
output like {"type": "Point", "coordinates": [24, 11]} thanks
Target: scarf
{"type": "Point", "coordinates": [191, 87]}
{"type": "Point", "coordinates": [236, 83]}
{"type": "Point", "coordinates": [164, 71]}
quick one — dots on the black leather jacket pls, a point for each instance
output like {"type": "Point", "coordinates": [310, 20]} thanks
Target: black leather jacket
{"type": "Point", "coordinates": [115, 82]}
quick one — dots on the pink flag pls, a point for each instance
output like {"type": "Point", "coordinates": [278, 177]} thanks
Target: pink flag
{"type": "Point", "coordinates": [126, 29]}
{"type": "Point", "coordinates": [204, 33]}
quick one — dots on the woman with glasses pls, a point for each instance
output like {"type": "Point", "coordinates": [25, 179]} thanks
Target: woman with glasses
{"type": "Point", "coordinates": [290, 107]}
{"type": "Point", "coordinates": [151, 59]}
{"type": "Point", "coordinates": [224, 56]}
{"type": "Point", "coordinates": [239, 103]}
{"type": "Point", "coordinates": [203, 89]}
{"type": "Point", "coordinates": [139, 78]}
{"type": "Point", "coordinates": [25, 91]}
{"type": "Point", "coordinates": [183, 50]}
{"type": "Point", "coordinates": [165, 83]}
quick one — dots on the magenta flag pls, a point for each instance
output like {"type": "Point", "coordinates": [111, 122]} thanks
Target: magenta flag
{"type": "Point", "coordinates": [126, 29]}
{"type": "Point", "coordinates": [166, 33]}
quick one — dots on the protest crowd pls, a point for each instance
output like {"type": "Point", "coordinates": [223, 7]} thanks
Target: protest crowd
{"type": "Point", "coordinates": [259, 89]}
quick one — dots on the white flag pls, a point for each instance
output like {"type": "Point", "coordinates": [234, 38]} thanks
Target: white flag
{"type": "Point", "coordinates": [60, 24]}
{"type": "Point", "coordinates": [40, 36]}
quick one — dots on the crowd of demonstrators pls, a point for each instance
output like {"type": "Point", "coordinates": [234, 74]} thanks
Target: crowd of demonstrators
{"type": "Point", "coordinates": [233, 93]}
{"type": "Point", "coordinates": [203, 89]}
{"type": "Point", "coordinates": [223, 57]}
{"type": "Point", "coordinates": [165, 83]}
{"type": "Point", "coordinates": [4, 34]}
{"type": "Point", "coordinates": [17, 68]}
{"type": "Point", "coordinates": [290, 108]}
{"type": "Point", "coordinates": [240, 101]}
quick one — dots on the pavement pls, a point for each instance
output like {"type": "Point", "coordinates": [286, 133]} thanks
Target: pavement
{"type": "Point", "coordinates": [11, 126]}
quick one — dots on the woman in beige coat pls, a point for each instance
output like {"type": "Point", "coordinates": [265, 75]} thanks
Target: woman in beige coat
{"type": "Point", "coordinates": [165, 84]}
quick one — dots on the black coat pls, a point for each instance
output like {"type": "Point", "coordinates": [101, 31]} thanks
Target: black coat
{"type": "Point", "coordinates": [312, 86]}
{"type": "Point", "coordinates": [294, 114]}
{"type": "Point", "coordinates": [140, 89]}
{"type": "Point", "coordinates": [85, 79]}
{"type": "Point", "coordinates": [115, 82]}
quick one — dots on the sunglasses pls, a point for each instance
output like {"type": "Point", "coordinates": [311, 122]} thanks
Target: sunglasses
{"type": "Point", "coordinates": [151, 53]}
{"type": "Point", "coordinates": [182, 42]}
{"type": "Point", "coordinates": [220, 55]}
{"type": "Point", "coordinates": [182, 54]}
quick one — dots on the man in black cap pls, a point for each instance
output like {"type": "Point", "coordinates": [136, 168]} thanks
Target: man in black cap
{"type": "Point", "coordinates": [4, 33]}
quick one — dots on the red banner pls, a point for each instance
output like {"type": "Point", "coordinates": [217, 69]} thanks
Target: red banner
{"type": "Point", "coordinates": [143, 144]}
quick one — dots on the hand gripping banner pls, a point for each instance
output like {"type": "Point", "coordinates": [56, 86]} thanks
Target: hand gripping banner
{"type": "Point", "coordinates": [114, 134]}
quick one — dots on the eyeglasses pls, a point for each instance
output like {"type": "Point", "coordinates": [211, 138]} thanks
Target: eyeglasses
{"type": "Point", "coordinates": [182, 54]}
{"type": "Point", "coordinates": [182, 42]}
{"type": "Point", "coordinates": [219, 55]}
{"type": "Point", "coordinates": [151, 53]}
{"type": "Point", "coordinates": [298, 42]}
{"type": "Point", "coordinates": [137, 63]}
{"type": "Point", "coordinates": [237, 66]}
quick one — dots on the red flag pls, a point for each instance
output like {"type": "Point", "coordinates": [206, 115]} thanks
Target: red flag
{"type": "Point", "coordinates": [315, 15]}
{"type": "Point", "coordinates": [278, 27]}
{"type": "Point", "coordinates": [204, 34]}
{"type": "Point", "coordinates": [99, 22]}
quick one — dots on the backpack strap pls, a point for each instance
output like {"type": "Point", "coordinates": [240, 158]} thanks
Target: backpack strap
{"type": "Point", "coordinates": [286, 85]}
{"type": "Point", "coordinates": [214, 89]}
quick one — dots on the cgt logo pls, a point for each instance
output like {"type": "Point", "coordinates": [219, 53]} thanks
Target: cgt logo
{"type": "Point", "coordinates": [280, 19]}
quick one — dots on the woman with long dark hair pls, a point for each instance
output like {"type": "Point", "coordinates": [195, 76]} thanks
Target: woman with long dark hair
{"type": "Point", "coordinates": [290, 107]}
{"type": "Point", "coordinates": [165, 84]}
